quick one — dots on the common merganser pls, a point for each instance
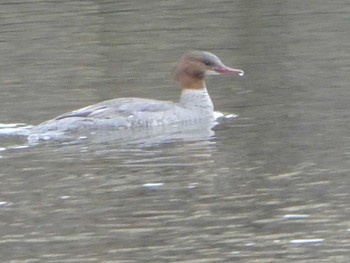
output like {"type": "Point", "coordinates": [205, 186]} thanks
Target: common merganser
{"type": "Point", "coordinates": [195, 103]}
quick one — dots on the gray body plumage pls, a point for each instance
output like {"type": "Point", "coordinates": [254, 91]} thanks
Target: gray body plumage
{"type": "Point", "coordinates": [122, 113]}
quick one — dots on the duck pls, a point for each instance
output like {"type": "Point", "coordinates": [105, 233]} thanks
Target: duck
{"type": "Point", "coordinates": [194, 105]}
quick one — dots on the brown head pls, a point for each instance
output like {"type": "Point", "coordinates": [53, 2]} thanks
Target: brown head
{"type": "Point", "coordinates": [194, 66]}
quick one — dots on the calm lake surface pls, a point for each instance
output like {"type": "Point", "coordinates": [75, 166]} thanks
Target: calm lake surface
{"type": "Point", "coordinates": [272, 185]}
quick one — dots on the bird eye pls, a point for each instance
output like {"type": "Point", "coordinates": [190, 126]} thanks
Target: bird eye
{"type": "Point", "coordinates": [207, 63]}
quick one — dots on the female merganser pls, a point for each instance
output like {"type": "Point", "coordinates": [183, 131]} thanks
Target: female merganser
{"type": "Point", "coordinates": [195, 103]}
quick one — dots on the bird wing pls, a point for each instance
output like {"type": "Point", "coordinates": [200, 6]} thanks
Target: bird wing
{"type": "Point", "coordinates": [122, 107]}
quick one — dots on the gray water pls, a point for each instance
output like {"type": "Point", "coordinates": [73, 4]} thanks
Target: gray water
{"type": "Point", "coordinates": [271, 185]}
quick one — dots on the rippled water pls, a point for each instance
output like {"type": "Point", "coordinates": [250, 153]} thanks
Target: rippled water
{"type": "Point", "coordinates": [271, 185]}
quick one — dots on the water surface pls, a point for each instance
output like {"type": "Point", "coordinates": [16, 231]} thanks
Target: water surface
{"type": "Point", "coordinates": [271, 185]}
